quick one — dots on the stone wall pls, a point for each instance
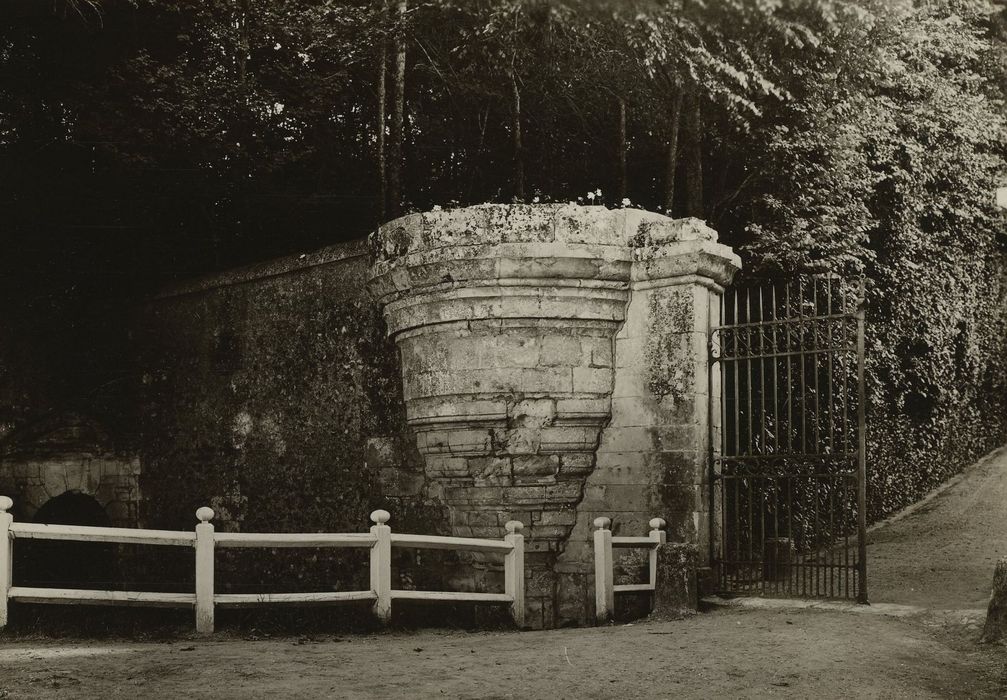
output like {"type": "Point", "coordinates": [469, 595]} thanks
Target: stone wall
{"type": "Point", "coordinates": [271, 394]}
{"type": "Point", "coordinates": [68, 453]}
{"type": "Point", "coordinates": [540, 363]}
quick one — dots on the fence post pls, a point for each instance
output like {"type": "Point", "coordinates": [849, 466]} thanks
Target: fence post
{"type": "Point", "coordinates": [604, 576]}
{"type": "Point", "coordinates": [514, 571]}
{"type": "Point", "coordinates": [204, 571]}
{"type": "Point", "coordinates": [381, 565]}
{"type": "Point", "coordinates": [658, 535]}
{"type": "Point", "coordinates": [6, 556]}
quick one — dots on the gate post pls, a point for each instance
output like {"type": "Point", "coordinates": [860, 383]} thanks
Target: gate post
{"type": "Point", "coordinates": [6, 556]}
{"type": "Point", "coordinates": [659, 444]}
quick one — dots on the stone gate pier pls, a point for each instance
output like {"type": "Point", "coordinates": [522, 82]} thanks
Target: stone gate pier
{"type": "Point", "coordinates": [554, 367]}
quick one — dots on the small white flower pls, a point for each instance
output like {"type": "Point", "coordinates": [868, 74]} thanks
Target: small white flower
{"type": "Point", "coordinates": [436, 207]}
{"type": "Point", "coordinates": [626, 202]}
{"type": "Point", "coordinates": [590, 196]}
{"type": "Point", "coordinates": [535, 200]}
{"type": "Point", "coordinates": [597, 192]}
{"type": "Point", "coordinates": [277, 46]}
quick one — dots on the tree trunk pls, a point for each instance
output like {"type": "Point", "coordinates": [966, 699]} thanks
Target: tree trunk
{"type": "Point", "coordinates": [518, 145]}
{"type": "Point", "coordinates": [398, 116]}
{"type": "Point", "coordinates": [382, 119]}
{"type": "Point", "coordinates": [671, 165]}
{"type": "Point", "coordinates": [623, 182]}
{"type": "Point", "coordinates": [694, 160]}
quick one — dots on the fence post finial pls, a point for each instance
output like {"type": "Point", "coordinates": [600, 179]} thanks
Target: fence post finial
{"type": "Point", "coordinates": [204, 571]}
{"type": "Point", "coordinates": [603, 523]}
{"type": "Point", "coordinates": [6, 556]}
{"type": "Point", "coordinates": [381, 565]}
{"type": "Point", "coordinates": [657, 532]}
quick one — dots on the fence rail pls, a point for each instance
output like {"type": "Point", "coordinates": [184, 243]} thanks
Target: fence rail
{"type": "Point", "coordinates": [204, 541]}
{"type": "Point", "coordinates": [604, 564]}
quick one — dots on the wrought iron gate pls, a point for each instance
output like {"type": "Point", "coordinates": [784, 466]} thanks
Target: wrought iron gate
{"type": "Point", "coordinates": [789, 498]}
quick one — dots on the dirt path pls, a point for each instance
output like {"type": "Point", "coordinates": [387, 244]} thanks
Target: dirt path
{"type": "Point", "coordinates": [941, 555]}
{"type": "Point", "coordinates": [728, 653]}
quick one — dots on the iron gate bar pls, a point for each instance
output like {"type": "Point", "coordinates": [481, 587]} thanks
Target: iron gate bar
{"type": "Point", "coordinates": [799, 488]}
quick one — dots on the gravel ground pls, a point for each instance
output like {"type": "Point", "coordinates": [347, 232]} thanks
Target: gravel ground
{"type": "Point", "coordinates": [729, 653]}
{"type": "Point", "coordinates": [938, 557]}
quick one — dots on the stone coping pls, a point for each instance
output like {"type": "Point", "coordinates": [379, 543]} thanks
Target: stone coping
{"type": "Point", "coordinates": [276, 267]}
{"type": "Point", "coordinates": [491, 224]}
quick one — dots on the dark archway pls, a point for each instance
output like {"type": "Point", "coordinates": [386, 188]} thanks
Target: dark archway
{"type": "Point", "coordinates": [66, 564]}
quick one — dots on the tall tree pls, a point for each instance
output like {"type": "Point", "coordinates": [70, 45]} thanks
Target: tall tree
{"type": "Point", "coordinates": [395, 151]}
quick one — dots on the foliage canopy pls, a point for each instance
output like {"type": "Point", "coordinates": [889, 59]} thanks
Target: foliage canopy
{"type": "Point", "coordinates": [142, 140]}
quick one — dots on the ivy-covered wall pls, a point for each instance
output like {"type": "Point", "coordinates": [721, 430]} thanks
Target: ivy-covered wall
{"type": "Point", "coordinates": [936, 366]}
{"type": "Point", "coordinates": [272, 395]}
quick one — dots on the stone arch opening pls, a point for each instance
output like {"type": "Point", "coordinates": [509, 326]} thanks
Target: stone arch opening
{"type": "Point", "coordinates": [66, 564]}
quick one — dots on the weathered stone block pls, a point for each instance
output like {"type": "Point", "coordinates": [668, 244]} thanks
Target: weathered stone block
{"type": "Point", "coordinates": [521, 441]}
{"type": "Point", "coordinates": [592, 225]}
{"type": "Point", "coordinates": [676, 591]}
{"type": "Point", "coordinates": [568, 439]}
{"type": "Point", "coordinates": [592, 380]}
{"type": "Point", "coordinates": [680, 466]}
{"type": "Point", "coordinates": [473, 495]}
{"type": "Point", "coordinates": [577, 463]}
{"type": "Point", "coordinates": [597, 408]}
{"type": "Point", "coordinates": [535, 465]}
{"type": "Point", "coordinates": [469, 441]}
{"type": "Point", "coordinates": [485, 467]}
{"type": "Point", "coordinates": [530, 413]}
{"type": "Point", "coordinates": [549, 532]}
{"type": "Point", "coordinates": [442, 466]}
{"type": "Point", "coordinates": [560, 351]}
{"type": "Point", "coordinates": [634, 497]}
{"type": "Point", "coordinates": [476, 518]}
{"type": "Point", "coordinates": [629, 439]}
{"type": "Point", "coordinates": [565, 516]}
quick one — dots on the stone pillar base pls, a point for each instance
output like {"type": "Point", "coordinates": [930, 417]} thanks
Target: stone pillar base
{"type": "Point", "coordinates": [677, 593]}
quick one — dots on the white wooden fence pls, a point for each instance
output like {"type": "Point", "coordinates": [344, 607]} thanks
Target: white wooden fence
{"type": "Point", "coordinates": [204, 540]}
{"type": "Point", "coordinates": [604, 572]}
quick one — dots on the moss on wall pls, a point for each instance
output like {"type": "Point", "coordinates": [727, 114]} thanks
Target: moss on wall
{"type": "Point", "coordinates": [261, 392]}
